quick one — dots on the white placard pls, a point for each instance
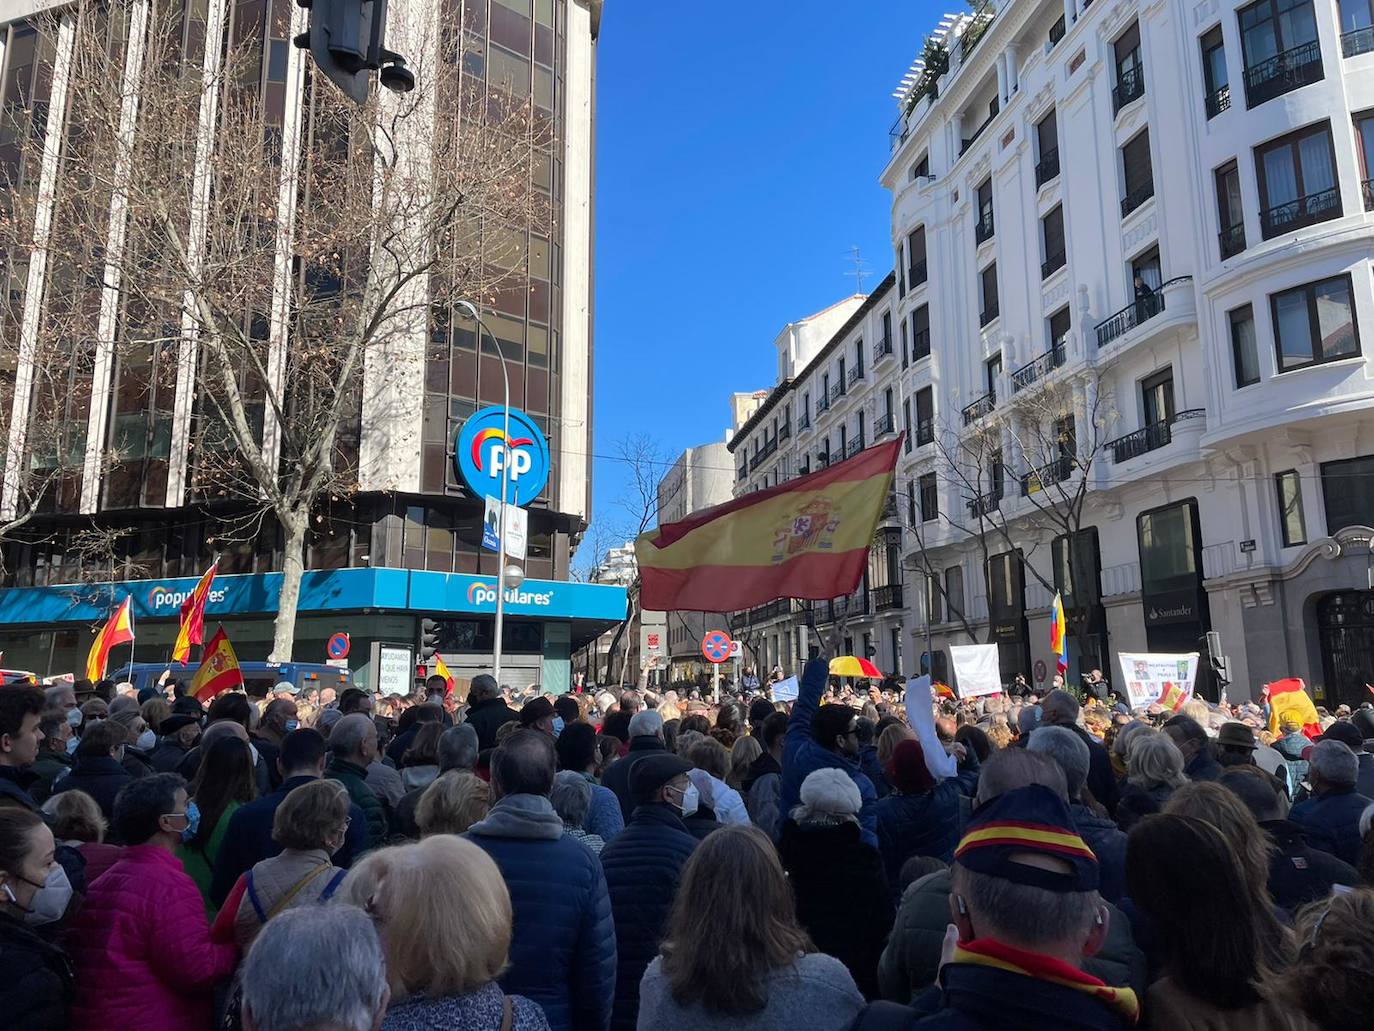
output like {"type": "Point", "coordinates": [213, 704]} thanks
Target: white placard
{"type": "Point", "coordinates": [785, 690]}
{"type": "Point", "coordinates": [976, 670]}
{"type": "Point", "coordinates": [395, 670]}
{"type": "Point", "coordinates": [1148, 677]}
{"type": "Point", "coordinates": [920, 713]}
{"type": "Point", "coordinates": [517, 531]}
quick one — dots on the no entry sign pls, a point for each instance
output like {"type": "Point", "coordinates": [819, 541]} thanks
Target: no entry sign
{"type": "Point", "coordinates": [715, 646]}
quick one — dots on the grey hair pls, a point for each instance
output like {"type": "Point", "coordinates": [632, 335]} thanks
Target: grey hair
{"type": "Point", "coordinates": [1153, 760]}
{"type": "Point", "coordinates": [121, 703]}
{"type": "Point", "coordinates": [1122, 745]}
{"type": "Point", "coordinates": [315, 966]}
{"type": "Point", "coordinates": [571, 797]}
{"type": "Point", "coordinates": [1059, 707]}
{"type": "Point", "coordinates": [483, 686]}
{"type": "Point", "coordinates": [1028, 719]}
{"type": "Point", "coordinates": [1021, 913]}
{"type": "Point", "coordinates": [458, 748]}
{"type": "Point", "coordinates": [1010, 768]}
{"type": "Point", "coordinates": [1335, 763]}
{"type": "Point", "coordinates": [1068, 750]}
{"type": "Point", "coordinates": [348, 734]}
{"type": "Point", "coordinates": [646, 722]}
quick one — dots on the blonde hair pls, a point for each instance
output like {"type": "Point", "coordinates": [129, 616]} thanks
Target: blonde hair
{"type": "Point", "coordinates": [710, 755]}
{"type": "Point", "coordinates": [686, 740]}
{"type": "Point", "coordinates": [154, 711]}
{"type": "Point", "coordinates": [1223, 809]}
{"type": "Point", "coordinates": [452, 913]}
{"type": "Point", "coordinates": [890, 738]}
{"type": "Point", "coordinates": [310, 814]}
{"type": "Point", "coordinates": [452, 804]}
{"type": "Point", "coordinates": [1153, 760]}
{"type": "Point", "coordinates": [364, 876]}
{"type": "Point", "coordinates": [742, 756]}
{"type": "Point", "coordinates": [76, 817]}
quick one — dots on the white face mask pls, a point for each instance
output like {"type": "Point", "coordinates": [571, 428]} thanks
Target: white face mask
{"type": "Point", "coordinates": [146, 740]}
{"type": "Point", "coordinates": [690, 799]}
{"type": "Point", "coordinates": [72, 742]}
{"type": "Point", "coordinates": [255, 754]}
{"type": "Point", "coordinates": [49, 902]}
{"type": "Point", "coordinates": [74, 718]}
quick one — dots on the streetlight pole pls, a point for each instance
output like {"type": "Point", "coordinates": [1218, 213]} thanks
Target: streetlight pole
{"type": "Point", "coordinates": [470, 310]}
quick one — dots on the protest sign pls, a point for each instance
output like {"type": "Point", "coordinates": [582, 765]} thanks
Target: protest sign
{"type": "Point", "coordinates": [785, 690]}
{"type": "Point", "coordinates": [1149, 678]}
{"type": "Point", "coordinates": [920, 714]}
{"type": "Point", "coordinates": [976, 670]}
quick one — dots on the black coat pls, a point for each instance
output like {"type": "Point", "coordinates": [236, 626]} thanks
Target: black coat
{"type": "Point", "coordinates": [1137, 802]}
{"type": "Point", "coordinates": [1101, 780]}
{"type": "Point", "coordinates": [487, 717]}
{"type": "Point", "coordinates": [617, 775]}
{"type": "Point", "coordinates": [37, 987]}
{"type": "Point", "coordinates": [167, 756]}
{"type": "Point", "coordinates": [100, 776]}
{"type": "Point", "coordinates": [642, 866]}
{"type": "Point", "coordinates": [1298, 873]}
{"type": "Point", "coordinates": [1108, 843]}
{"type": "Point", "coordinates": [842, 897]}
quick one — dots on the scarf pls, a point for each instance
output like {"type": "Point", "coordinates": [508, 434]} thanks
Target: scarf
{"type": "Point", "coordinates": [987, 952]}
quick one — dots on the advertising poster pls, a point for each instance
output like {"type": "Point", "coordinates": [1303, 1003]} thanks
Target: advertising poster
{"type": "Point", "coordinates": [1150, 678]}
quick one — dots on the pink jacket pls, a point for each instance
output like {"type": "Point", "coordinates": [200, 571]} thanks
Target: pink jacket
{"type": "Point", "coordinates": [141, 948]}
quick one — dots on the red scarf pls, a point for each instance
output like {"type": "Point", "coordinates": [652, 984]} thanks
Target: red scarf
{"type": "Point", "coordinates": [987, 952]}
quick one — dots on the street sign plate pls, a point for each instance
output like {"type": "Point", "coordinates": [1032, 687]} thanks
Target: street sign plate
{"type": "Point", "coordinates": [715, 646]}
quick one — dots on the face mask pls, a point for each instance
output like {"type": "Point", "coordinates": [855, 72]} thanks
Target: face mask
{"type": "Point", "coordinates": [146, 740]}
{"type": "Point", "coordinates": [557, 725]}
{"type": "Point", "coordinates": [119, 756]}
{"type": "Point", "coordinates": [192, 821]}
{"type": "Point", "coordinates": [690, 797]}
{"type": "Point", "coordinates": [72, 742]}
{"type": "Point", "coordinates": [254, 751]}
{"type": "Point", "coordinates": [74, 718]}
{"type": "Point", "coordinates": [291, 725]}
{"type": "Point", "coordinates": [51, 900]}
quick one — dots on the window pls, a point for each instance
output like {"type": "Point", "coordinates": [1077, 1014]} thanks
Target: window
{"type": "Point", "coordinates": [929, 497]}
{"type": "Point", "coordinates": [1138, 175]}
{"type": "Point", "coordinates": [906, 424]}
{"type": "Point", "coordinates": [1297, 180]}
{"type": "Point", "coordinates": [987, 280]}
{"type": "Point", "coordinates": [992, 372]}
{"type": "Point", "coordinates": [983, 230]}
{"type": "Point", "coordinates": [916, 255]}
{"type": "Point", "coordinates": [906, 346]}
{"type": "Point", "coordinates": [933, 599]}
{"type": "Point", "coordinates": [1314, 324]}
{"type": "Point", "coordinates": [1279, 41]}
{"type": "Point", "coordinates": [1230, 215]}
{"type": "Point", "coordinates": [911, 502]}
{"type": "Point", "coordinates": [858, 372]}
{"type": "Point", "coordinates": [1348, 490]}
{"type": "Point", "coordinates": [839, 378]}
{"type": "Point", "coordinates": [1052, 239]}
{"type": "Point", "coordinates": [1059, 325]}
{"type": "Point", "coordinates": [1157, 397]}
{"type": "Point", "coordinates": [1066, 438]}
{"type": "Point", "coordinates": [885, 345]}
{"type": "Point", "coordinates": [1006, 586]}
{"type": "Point", "coordinates": [1244, 350]}
{"type": "Point", "coordinates": [920, 333]}
{"type": "Point", "coordinates": [1130, 73]}
{"type": "Point", "coordinates": [1169, 547]}
{"type": "Point", "coordinates": [954, 590]}
{"type": "Point", "coordinates": [921, 169]}
{"type": "Point", "coordinates": [1357, 27]}
{"type": "Point", "coordinates": [925, 415]}
{"type": "Point", "coordinates": [1216, 81]}
{"type": "Point", "coordinates": [1046, 149]}
{"type": "Point", "coordinates": [1364, 134]}
{"type": "Point", "coordinates": [1077, 567]}
{"type": "Point", "coordinates": [1291, 523]}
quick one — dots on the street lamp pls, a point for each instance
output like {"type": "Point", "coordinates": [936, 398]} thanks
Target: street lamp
{"type": "Point", "coordinates": [512, 575]}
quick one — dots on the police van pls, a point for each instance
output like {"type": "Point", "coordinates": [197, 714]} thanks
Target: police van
{"type": "Point", "coordinates": [258, 677]}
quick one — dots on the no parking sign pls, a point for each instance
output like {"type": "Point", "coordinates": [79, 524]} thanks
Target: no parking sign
{"type": "Point", "coordinates": [715, 646]}
{"type": "Point", "coordinates": [337, 646]}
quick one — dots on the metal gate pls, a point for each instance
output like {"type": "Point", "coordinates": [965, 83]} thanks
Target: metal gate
{"type": "Point", "coordinates": [1345, 622]}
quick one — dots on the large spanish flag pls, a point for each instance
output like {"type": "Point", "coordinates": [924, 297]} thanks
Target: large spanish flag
{"type": "Point", "coordinates": [193, 616]}
{"type": "Point", "coordinates": [219, 669]}
{"type": "Point", "coordinates": [118, 629]}
{"type": "Point", "coordinates": [807, 538]}
{"type": "Point", "coordinates": [1288, 702]}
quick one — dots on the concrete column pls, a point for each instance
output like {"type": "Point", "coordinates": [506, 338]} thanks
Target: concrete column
{"type": "Point", "coordinates": [1011, 60]}
{"type": "Point", "coordinates": [1070, 13]}
{"type": "Point", "coordinates": [1002, 87]}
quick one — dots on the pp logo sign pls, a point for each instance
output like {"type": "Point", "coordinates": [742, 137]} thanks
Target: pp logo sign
{"type": "Point", "coordinates": [482, 454]}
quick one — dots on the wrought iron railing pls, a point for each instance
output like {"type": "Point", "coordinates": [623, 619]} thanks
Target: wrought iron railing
{"type": "Point", "coordinates": [1047, 168]}
{"type": "Point", "coordinates": [988, 314]}
{"type": "Point", "coordinates": [1057, 31]}
{"type": "Point", "coordinates": [1056, 471]}
{"type": "Point", "coordinates": [1137, 197]}
{"type": "Point", "coordinates": [803, 421]}
{"type": "Point", "coordinates": [1284, 72]}
{"type": "Point", "coordinates": [1150, 438]}
{"type": "Point", "coordinates": [1357, 41]}
{"type": "Point", "coordinates": [1130, 86]}
{"type": "Point", "coordinates": [982, 231]}
{"type": "Point", "coordinates": [920, 345]}
{"type": "Point", "coordinates": [856, 374]}
{"type": "Point", "coordinates": [883, 425]}
{"type": "Point", "coordinates": [784, 431]}
{"type": "Point", "coordinates": [1367, 191]}
{"type": "Point", "coordinates": [1232, 240]}
{"type": "Point", "coordinates": [889, 596]}
{"type": "Point", "coordinates": [882, 349]}
{"type": "Point", "coordinates": [1038, 368]}
{"type": "Point", "coordinates": [1301, 211]}
{"type": "Point", "coordinates": [837, 390]}
{"type": "Point", "coordinates": [1142, 309]}
{"type": "Point", "coordinates": [744, 470]}
{"type": "Point", "coordinates": [855, 446]}
{"type": "Point", "coordinates": [971, 413]}
{"type": "Point", "coordinates": [1052, 264]}
{"type": "Point", "coordinates": [916, 274]}
{"type": "Point", "coordinates": [985, 504]}
{"type": "Point", "coordinates": [822, 403]}
{"type": "Point", "coordinates": [1218, 100]}
{"type": "Point", "coordinates": [925, 432]}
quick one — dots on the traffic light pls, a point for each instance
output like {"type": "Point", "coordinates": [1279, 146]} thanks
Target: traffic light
{"type": "Point", "coordinates": [429, 639]}
{"type": "Point", "coordinates": [1218, 663]}
{"type": "Point", "coordinates": [347, 41]}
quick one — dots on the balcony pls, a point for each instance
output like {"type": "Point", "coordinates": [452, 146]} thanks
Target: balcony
{"type": "Point", "coordinates": [971, 140]}
{"type": "Point", "coordinates": [985, 504]}
{"type": "Point", "coordinates": [889, 596]}
{"type": "Point", "coordinates": [1034, 371]}
{"type": "Point", "coordinates": [822, 459]}
{"type": "Point", "coordinates": [1052, 264]}
{"type": "Point", "coordinates": [1130, 86]}
{"type": "Point", "coordinates": [975, 411]}
{"type": "Point", "coordinates": [883, 425]}
{"type": "Point", "coordinates": [1048, 474]}
{"type": "Point", "coordinates": [920, 345]}
{"type": "Point", "coordinates": [856, 374]}
{"type": "Point", "coordinates": [988, 314]}
{"type": "Point", "coordinates": [822, 403]}
{"type": "Point", "coordinates": [1150, 438]}
{"type": "Point", "coordinates": [803, 421]}
{"type": "Point", "coordinates": [1232, 240]}
{"type": "Point", "coordinates": [784, 431]}
{"type": "Point", "coordinates": [1357, 41]}
{"type": "Point", "coordinates": [982, 230]}
{"type": "Point", "coordinates": [1367, 191]}
{"type": "Point", "coordinates": [1218, 100]}
{"type": "Point", "coordinates": [769, 446]}
{"type": "Point", "coordinates": [1283, 73]}
{"type": "Point", "coordinates": [1057, 31]}
{"type": "Point", "coordinates": [1147, 306]}
{"type": "Point", "coordinates": [1303, 211]}
{"type": "Point", "coordinates": [1137, 197]}
{"type": "Point", "coordinates": [882, 349]}
{"type": "Point", "coordinates": [925, 432]}
{"type": "Point", "coordinates": [837, 391]}
{"type": "Point", "coordinates": [916, 274]}
{"type": "Point", "coordinates": [854, 447]}
{"type": "Point", "coordinates": [804, 467]}
{"type": "Point", "coordinates": [1048, 167]}
{"type": "Point", "coordinates": [743, 471]}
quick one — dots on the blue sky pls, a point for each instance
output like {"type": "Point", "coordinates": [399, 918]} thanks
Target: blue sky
{"type": "Point", "coordinates": [738, 154]}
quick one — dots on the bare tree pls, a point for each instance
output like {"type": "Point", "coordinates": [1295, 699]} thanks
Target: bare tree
{"type": "Point", "coordinates": [295, 267]}
{"type": "Point", "coordinates": [645, 459]}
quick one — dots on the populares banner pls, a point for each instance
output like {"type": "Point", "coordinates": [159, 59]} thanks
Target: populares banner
{"type": "Point", "coordinates": [1166, 679]}
{"type": "Point", "coordinates": [976, 669]}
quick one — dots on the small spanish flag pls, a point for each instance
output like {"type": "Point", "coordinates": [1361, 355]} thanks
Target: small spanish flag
{"type": "Point", "coordinates": [1288, 703]}
{"type": "Point", "coordinates": [1059, 634]}
{"type": "Point", "coordinates": [219, 669]}
{"type": "Point", "coordinates": [440, 670]}
{"type": "Point", "coordinates": [193, 616]}
{"type": "Point", "coordinates": [118, 629]}
{"type": "Point", "coordinates": [807, 538]}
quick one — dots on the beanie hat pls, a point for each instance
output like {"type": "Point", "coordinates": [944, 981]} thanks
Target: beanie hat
{"type": "Point", "coordinates": [831, 791]}
{"type": "Point", "coordinates": [1030, 819]}
{"type": "Point", "coordinates": [907, 771]}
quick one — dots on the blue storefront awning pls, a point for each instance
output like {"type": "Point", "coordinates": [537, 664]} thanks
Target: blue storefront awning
{"type": "Point", "coordinates": [335, 590]}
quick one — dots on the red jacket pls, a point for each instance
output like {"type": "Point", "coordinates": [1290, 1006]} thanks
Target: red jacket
{"type": "Point", "coordinates": [141, 948]}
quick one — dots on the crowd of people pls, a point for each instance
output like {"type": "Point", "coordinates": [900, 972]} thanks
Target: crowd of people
{"type": "Point", "coordinates": [856, 858]}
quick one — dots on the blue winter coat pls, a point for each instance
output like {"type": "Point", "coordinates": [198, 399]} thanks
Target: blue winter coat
{"type": "Point", "coordinates": [642, 871]}
{"type": "Point", "coordinates": [981, 998]}
{"type": "Point", "coordinates": [1332, 822]}
{"type": "Point", "coordinates": [563, 951]}
{"type": "Point", "coordinates": [1108, 843]}
{"type": "Point", "coordinates": [801, 756]}
{"type": "Point", "coordinates": [873, 770]}
{"type": "Point", "coordinates": [99, 776]}
{"type": "Point", "coordinates": [923, 825]}
{"type": "Point", "coordinates": [604, 818]}
{"type": "Point", "coordinates": [617, 775]}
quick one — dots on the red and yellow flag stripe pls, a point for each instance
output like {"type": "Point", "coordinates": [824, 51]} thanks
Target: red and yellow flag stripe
{"type": "Point", "coordinates": [192, 630]}
{"type": "Point", "coordinates": [118, 629]}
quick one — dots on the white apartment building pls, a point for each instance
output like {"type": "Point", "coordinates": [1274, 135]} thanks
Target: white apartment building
{"type": "Point", "coordinates": [1154, 216]}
